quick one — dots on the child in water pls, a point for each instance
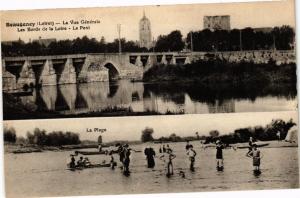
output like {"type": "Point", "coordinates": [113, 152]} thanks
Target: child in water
{"type": "Point", "coordinates": [256, 156]}
{"type": "Point", "coordinates": [219, 156]}
{"type": "Point", "coordinates": [112, 161]}
{"type": "Point", "coordinates": [167, 158]}
{"type": "Point", "coordinates": [192, 154]}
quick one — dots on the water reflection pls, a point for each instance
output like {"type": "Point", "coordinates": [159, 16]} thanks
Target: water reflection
{"type": "Point", "coordinates": [161, 98]}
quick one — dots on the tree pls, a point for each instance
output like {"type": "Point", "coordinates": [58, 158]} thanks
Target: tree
{"type": "Point", "coordinates": [214, 133]}
{"type": "Point", "coordinates": [147, 134]}
{"type": "Point", "coordinates": [170, 42]}
{"type": "Point", "coordinates": [9, 135]}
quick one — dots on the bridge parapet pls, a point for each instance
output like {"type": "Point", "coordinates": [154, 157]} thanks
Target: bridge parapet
{"type": "Point", "coordinates": [74, 68]}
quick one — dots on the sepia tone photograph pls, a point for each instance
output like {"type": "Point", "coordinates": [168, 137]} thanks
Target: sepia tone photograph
{"type": "Point", "coordinates": [149, 99]}
{"type": "Point", "coordinates": [149, 60]}
{"type": "Point", "coordinates": [151, 154]}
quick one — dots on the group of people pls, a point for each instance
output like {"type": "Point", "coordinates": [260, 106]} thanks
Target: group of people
{"type": "Point", "coordinates": [167, 156]}
{"type": "Point", "coordinates": [82, 162]}
{"type": "Point", "coordinates": [124, 153]}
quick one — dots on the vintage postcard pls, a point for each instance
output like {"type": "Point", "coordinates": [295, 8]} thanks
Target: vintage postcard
{"type": "Point", "coordinates": [152, 60]}
{"type": "Point", "coordinates": [150, 99]}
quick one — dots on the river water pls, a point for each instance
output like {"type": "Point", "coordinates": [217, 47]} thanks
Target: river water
{"type": "Point", "coordinates": [163, 98]}
{"type": "Point", "coordinates": [45, 174]}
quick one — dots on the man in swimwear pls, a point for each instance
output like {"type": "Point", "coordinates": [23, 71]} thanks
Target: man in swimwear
{"type": "Point", "coordinates": [192, 154]}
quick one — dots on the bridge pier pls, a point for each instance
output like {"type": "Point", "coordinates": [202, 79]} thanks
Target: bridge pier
{"type": "Point", "coordinates": [26, 76]}
{"type": "Point", "coordinates": [138, 61]}
{"type": "Point", "coordinates": [9, 81]}
{"type": "Point", "coordinates": [48, 75]}
{"type": "Point", "coordinates": [66, 74]}
{"type": "Point", "coordinates": [164, 60]}
{"type": "Point", "coordinates": [82, 72]}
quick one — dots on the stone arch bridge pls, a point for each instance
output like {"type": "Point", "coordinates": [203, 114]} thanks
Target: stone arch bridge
{"type": "Point", "coordinates": [20, 72]}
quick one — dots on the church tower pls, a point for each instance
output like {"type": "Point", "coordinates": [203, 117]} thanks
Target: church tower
{"type": "Point", "coordinates": [145, 32]}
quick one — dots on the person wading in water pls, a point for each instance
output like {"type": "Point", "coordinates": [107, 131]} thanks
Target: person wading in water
{"type": "Point", "coordinates": [150, 154]}
{"type": "Point", "coordinates": [192, 154]}
{"type": "Point", "coordinates": [167, 158]}
{"type": "Point", "coordinates": [219, 156]}
{"type": "Point", "coordinates": [256, 156]}
{"type": "Point", "coordinates": [126, 160]}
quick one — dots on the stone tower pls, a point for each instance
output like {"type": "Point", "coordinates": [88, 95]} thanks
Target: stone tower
{"type": "Point", "coordinates": [145, 32]}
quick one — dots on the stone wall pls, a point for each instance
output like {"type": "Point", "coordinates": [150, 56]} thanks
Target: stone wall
{"type": "Point", "coordinates": [97, 75]}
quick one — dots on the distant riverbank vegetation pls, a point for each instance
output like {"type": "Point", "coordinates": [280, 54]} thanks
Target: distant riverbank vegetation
{"type": "Point", "coordinates": [220, 71]}
{"type": "Point", "coordinates": [241, 135]}
{"type": "Point", "coordinates": [281, 38]}
{"type": "Point", "coordinates": [42, 138]}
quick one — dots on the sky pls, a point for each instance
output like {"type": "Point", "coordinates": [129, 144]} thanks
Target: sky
{"type": "Point", "coordinates": [163, 19]}
{"type": "Point", "coordinates": [129, 128]}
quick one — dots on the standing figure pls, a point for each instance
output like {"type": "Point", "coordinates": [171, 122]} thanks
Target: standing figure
{"type": "Point", "coordinates": [99, 147]}
{"type": "Point", "coordinates": [192, 154]}
{"type": "Point", "coordinates": [251, 142]}
{"type": "Point", "coordinates": [168, 157]}
{"type": "Point", "coordinates": [112, 161]}
{"type": "Point", "coordinates": [164, 149]}
{"type": "Point", "coordinates": [256, 156]}
{"type": "Point", "coordinates": [120, 151]}
{"type": "Point", "coordinates": [150, 154]}
{"type": "Point", "coordinates": [126, 160]}
{"type": "Point", "coordinates": [187, 146]}
{"type": "Point", "coordinates": [278, 135]}
{"type": "Point", "coordinates": [219, 156]}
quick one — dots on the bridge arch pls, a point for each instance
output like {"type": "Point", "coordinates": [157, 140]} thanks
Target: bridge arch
{"type": "Point", "coordinates": [113, 70]}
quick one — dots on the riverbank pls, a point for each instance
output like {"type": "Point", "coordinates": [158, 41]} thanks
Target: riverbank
{"type": "Point", "coordinates": [219, 71]}
{"type": "Point", "coordinates": [30, 148]}
{"type": "Point", "coordinates": [21, 149]}
{"type": "Point", "coordinates": [267, 144]}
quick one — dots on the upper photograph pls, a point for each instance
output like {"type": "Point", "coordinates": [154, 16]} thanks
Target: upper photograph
{"type": "Point", "coordinates": [149, 60]}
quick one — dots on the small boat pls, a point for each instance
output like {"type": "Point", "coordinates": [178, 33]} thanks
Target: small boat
{"type": "Point", "coordinates": [27, 151]}
{"type": "Point", "coordinates": [89, 166]}
{"type": "Point", "coordinates": [105, 152]}
{"type": "Point", "coordinates": [258, 145]}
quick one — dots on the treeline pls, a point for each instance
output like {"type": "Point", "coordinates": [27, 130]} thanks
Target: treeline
{"type": "Point", "coordinates": [260, 133]}
{"type": "Point", "coordinates": [281, 38]}
{"type": "Point", "coordinates": [216, 71]}
{"type": "Point", "coordinates": [75, 46]}
{"type": "Point", "coordinates": [42, 138]}
{"type": "Point", "coordinates": [267, 133]}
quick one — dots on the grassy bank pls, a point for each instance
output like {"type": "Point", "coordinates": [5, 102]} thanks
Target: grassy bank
{"type": "Point", "coordinates": [218, 71]}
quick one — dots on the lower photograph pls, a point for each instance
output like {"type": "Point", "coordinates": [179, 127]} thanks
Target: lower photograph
{"type": "Point", "coordinates": [151, 154]}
